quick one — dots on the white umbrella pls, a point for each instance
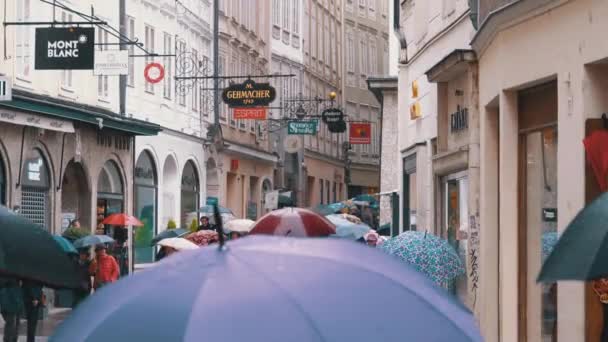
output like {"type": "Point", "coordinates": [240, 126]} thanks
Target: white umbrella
{"type": "Point", "coordinates": [239, 225]}
{"type": "Point", "coordinates": [177, 244]}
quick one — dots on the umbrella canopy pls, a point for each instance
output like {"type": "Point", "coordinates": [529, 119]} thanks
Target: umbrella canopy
{"type": "Point", "coordinates": [29, 252]}
{"type": "Point", "coordinates": [92, 240]}
{"type": "Point", "coordinates": [178, 244]}
{"type": "Point", "coordinates": [365, 198]}
{"type": "Point", "coordinates": [348, 226]}
{"type": "Point", "coordinates": [296, 222]}
{"type": "Point", "coordinates": [298, 290]}
{"type": "Point", "coordinates": [582, 249]}
{"type": "Point", "coordinates": [428, 254]}
{"type": "Point", "coordinates": [203, 237]}
{"type": "Point", "coordinates": [549, 239]}
{"type": "Point", "coordinates": [169, 233]}
{"type": "Point", "coordinates": [122, 220]}
{"type": "Point", "coordinates": [65, 244]}
{"type": "Point", "coordinates": [239, 226]}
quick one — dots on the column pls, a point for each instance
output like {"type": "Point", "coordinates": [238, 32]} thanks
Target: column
{"type": "Point", "coordinates": [508, 216]}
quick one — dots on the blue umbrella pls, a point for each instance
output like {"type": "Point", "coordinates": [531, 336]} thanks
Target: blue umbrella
{"type": "Point", "coordinates": [274, 289]}
{"type": "Point", "coordinates": [169, 233]}
{"type": "Point", "coordinates": [347, 229]}
{"type": "Point", "coordinates": [65, 244]}
{"type": "Point", "coordinates": [92, 240]}
{"type": "Point", "coordinates": [429, 254]}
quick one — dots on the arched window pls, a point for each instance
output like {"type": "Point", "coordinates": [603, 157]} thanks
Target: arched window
{"type": "Point", "coordinates": [110, 195]}
{"type": "Point", "coordinates": [189, 195]}
{"type": "Point", "coordinates": [145, 207]}
{"type": "Point", "coordinates": [36, 183]}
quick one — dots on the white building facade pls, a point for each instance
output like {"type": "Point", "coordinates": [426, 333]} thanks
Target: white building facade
{"type": "Point", "coordinates": [170, 172]}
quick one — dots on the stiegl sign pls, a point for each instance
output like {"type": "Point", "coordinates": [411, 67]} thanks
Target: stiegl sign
{"type": "Point", "coordinates": [70, 48]}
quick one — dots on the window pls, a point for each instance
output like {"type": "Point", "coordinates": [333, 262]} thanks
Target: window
{"type": "Point", "coordinates": [349, 5]}
{"type": "Point", "coordinates": [350, 52]}
{"type": "Point", "coordinates": [222, 71]}
{"type": "Point", "coordinates": [167, 64]}
{"type": "Point", "coordinates": [181, 48]}
{"type": "Point", "coordinates": [195, 88]}
{"type": "Point", "coordinates": [150, 47]}
{"type": "Point", "coordinates": [313, 34]}
{"type": "Point", "coordinates": [244, 71]}
{"type": "Point", "coordinates": [23, 39]}
{"type": "Point", "coordinates": [286, 15]}
{"type": "Point", "coordinates": [66, 75]}
{"type": "Point", "coordinates": [373, 58]}
{"type": "Point", "coordinates": [372, 7]}
{"type": "Point", "coordinates": [102, 81]}
{"type": "Point", "coordinates": [363, 57]}
{"type": "Point", "coordinates": [131, 35]}
{"type": "Point", "coordinates": [296, 17]}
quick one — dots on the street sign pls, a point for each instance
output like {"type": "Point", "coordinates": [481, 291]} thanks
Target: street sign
{"type": "Point", "coordinates": [271, 200]}
{"type": "Point", "coordinates": [6, 89]}
{"type": "Point", "coordinates": [65, 48]}
{"type": "Point", "coordinates": [111, 63]}
{"type": "Point", "coordinates": [292, 144]}
{"type": "Point", "coordinates": [249, 94]}
{"type": "Point", "coordinates": [360, 133]}
{"type": "Point", "coordinates": [302, 127]}
{"type": "Point", "coordinates": [258, 113]}
{"type": "Point", "coordinates": [154, 72]}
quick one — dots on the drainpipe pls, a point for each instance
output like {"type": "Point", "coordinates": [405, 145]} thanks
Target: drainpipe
{"type": "Point", "coordinates": [122, 82]}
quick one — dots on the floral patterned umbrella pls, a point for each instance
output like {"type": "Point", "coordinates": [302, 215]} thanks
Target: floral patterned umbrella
{"type": "Point", "coordinates": [428, 254]}
{"type": "Point", "coordinates": [203, 237]}
{"type": "Point", "coordinates": [549, 239]}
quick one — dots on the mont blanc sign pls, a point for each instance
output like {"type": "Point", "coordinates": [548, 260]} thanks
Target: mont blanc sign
{"type": "Point", "coordinates": [65, 48]}
{"type": "Point", "coordinates": [249, 94]}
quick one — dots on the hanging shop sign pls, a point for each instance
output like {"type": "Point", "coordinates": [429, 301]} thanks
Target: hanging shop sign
{"type": "Point", "coordinates": [249, 94]}
{"type": "Point", "coordinates": [111, 63]}
{"type": "Point", "coordinates": [334, 118]}
{"type": "Point", "coordinates": [70, 48]}
{"type": "Point", "coordinates": [292, 144]}
{"type": "Point", "coordinates": [360, 133]}
{"type": "Point", "coordinates": [308, 127]}
{"type": "Point", "coordinates": [154, 72]}
{"type": "Point", "coordinates": [257, 113]}
{"type": "Point", "coordinates": [549, 214]}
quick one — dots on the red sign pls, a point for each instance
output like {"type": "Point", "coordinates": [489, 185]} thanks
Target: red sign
{"type": "Point", "coordinates": [234, 164]}
{"type": "Point", "coordinates": [360, 133]}
{"type": "Point", "coordinates": [154, 73]}
{"type": "Point", "coordinates": [256, 113]}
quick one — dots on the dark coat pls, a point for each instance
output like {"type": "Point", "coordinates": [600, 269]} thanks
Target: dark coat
{"type": "Point", "coordinates": [11, 296]}
{"type": "Point", "coordinates": [31, 291]}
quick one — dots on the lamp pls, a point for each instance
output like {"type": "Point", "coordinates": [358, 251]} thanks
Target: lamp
{"type": "Point", "coordinates": [300, 112]}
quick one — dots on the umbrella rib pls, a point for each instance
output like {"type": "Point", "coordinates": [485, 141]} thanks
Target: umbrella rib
{"type": "Point", "coordinates": [287, 295]}
{"type": "Point", "coordinates": [378, 273]}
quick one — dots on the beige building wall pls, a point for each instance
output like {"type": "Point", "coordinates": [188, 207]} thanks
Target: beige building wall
{"type": "Point", "coordinates": [527, 44]}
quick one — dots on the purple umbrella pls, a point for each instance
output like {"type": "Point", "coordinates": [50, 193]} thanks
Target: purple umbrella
{"type": "Point", "coordinates": [269, 288]}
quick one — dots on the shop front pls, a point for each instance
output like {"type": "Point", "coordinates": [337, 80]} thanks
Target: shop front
{"type": "Point", "coordinates": [190, 195]}
{"type": "Point", "coordinates": [146, 192]}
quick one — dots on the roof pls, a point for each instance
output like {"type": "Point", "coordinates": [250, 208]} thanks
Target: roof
{"type": "Point", "coordinates": [68, 110]}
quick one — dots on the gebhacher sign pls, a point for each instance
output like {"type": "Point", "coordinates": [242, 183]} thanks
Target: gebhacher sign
{"type": "Point", "coordinates": [249, 94]}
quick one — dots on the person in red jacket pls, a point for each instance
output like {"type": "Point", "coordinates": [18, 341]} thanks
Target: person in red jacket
{"type": "Point", "coordinates": [104, 268]}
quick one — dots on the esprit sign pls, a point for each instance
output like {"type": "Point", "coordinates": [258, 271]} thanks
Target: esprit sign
{"type": "Point", "coordinates": [70, 48]}
{"type": "Point", "coordinates": [249, 94]}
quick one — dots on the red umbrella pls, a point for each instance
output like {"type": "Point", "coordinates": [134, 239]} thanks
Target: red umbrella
{"type": "Point", "coordinates": [122, 220]}
{"type": "Point", "coordinates": [294, 222]}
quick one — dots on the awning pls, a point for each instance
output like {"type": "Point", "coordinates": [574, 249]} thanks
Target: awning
{"type": "Point", "coordinates": [66, 110]}
{"type": "Point", "coordinates": [28, 119]}
{"type": "Point", "coordinates": [246, 152]}
{"type": "Point", "coordinates": [451, 66]}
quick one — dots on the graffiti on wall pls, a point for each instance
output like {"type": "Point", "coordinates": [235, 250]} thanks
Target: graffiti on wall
{"type": "Point", "coordinates": [474, 256]}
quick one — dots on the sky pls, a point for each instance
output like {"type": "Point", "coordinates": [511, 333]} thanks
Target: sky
{"type": "Point", "coordinates": [393, 54]}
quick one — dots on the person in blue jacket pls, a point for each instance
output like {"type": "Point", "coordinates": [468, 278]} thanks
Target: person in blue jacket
{"type": "Point", "coordinates": [11, 307]}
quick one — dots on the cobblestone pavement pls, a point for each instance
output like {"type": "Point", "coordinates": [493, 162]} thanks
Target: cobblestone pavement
{"type": "Point", "coordinates": [45, 327]}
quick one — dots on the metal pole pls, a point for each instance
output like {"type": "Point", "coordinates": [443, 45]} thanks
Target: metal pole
{"type": "Point", "coordinates": [216, 62]}
{"type": "Point", "coordinates": [122, 82]}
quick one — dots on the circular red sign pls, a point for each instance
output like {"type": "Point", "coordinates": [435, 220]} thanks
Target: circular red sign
{"type": "Point", "coordinates": [154, 72]}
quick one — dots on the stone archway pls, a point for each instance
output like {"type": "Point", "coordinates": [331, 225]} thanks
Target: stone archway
{"type": "Point", "coordinates": [212, 179]}
{"type": "Point", "coordinates": [170, 191]}
{"type": "Point", "coordinates": [75, 196]}
{"type": "Point", "coordinates": [190, 190]}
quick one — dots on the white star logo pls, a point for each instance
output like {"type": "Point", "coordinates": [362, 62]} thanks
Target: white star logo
{"type": "Point", "coordinates": [82, 39]}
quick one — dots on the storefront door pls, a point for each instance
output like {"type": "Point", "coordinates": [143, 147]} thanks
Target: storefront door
{"type": "Point", "coordinates": [145, 208]}
{"type": "Point", "coordinates": [190, 196]}
{"type": "Point", "coordinates": [456, 224]}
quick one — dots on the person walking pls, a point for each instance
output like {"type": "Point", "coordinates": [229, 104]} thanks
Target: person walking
{"type": "Point", "coordinates": [104, 268]}
{"type": "Point", "coordinates": [205, 224]}
{"type": "Point", "coordinates": [84, 262]}
{"type": "Point", "coordinates": [32, 301]}
{"type": "Point", "coordinates": [11, 307]}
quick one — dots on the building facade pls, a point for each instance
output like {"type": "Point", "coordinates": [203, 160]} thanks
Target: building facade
{"type": "Point", "coordinates": [323, 160]}
{"type": "Point", "coordinates": [244, 170]}
{"type": "Point", "coordinates": [366, 50]}
{"type": "Point", "coordinates": [170, 172]}
{"type": "Point", "coordinates": [542, 86]}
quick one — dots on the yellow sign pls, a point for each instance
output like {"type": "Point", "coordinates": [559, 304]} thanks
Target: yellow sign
{"type": "Point", "coordinates": [415, 89]}
{"type": "Point", "coordinates": [415, 111]}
